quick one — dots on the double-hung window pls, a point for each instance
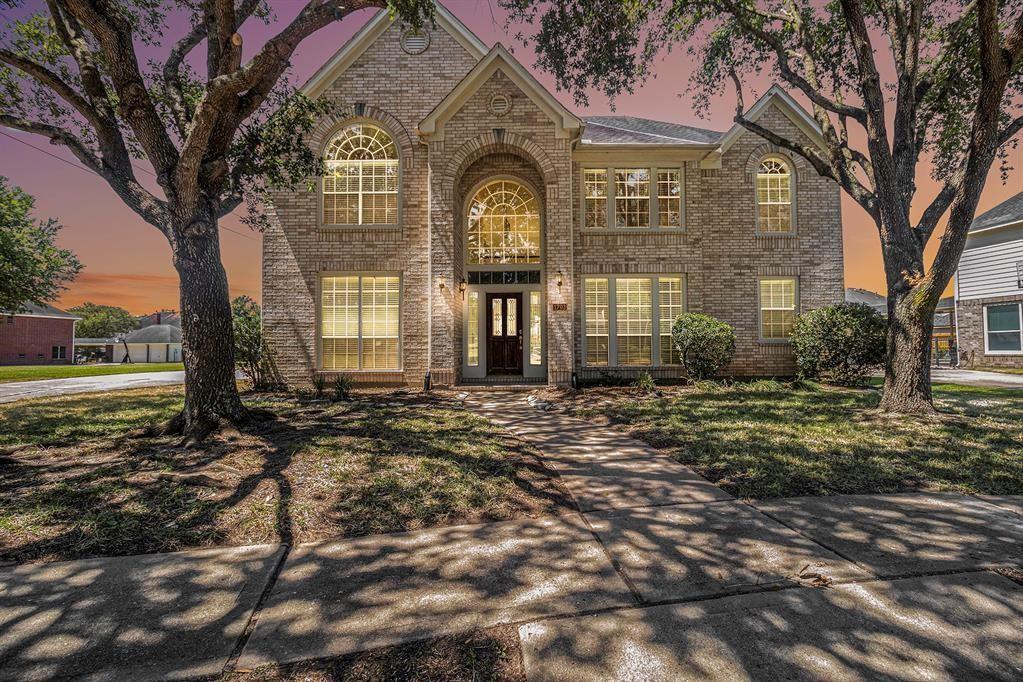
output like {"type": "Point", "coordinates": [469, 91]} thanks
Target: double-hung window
{"type": "Point", "coordinates": [632, 198]}
{"type": "Point", "coordinates": [1003, 329]}
{"type": "Point", "coordinates": [628, 320]}
{"type": "Point", "coordinates": [777, 308]}
{"type": "Point", "coordinates": [360, 322]}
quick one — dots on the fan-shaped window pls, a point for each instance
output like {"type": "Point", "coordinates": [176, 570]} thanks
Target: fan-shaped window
{"type": "Point", "coordinates": [360, 183]}
{"type": "Point", "coordinates": [774, 196]}
{"type": "Point", "coordinates": [503, 224]}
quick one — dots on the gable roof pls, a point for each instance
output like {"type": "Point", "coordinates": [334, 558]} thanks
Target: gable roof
{"type": "Point", "coordinates": [499, 59]}
{"type": "Point", "coordinates": [374, 28]}
{"type": "Point", "coordinates": [1006, 213]}
{"type": "Point", "coordinates": [45, 310]}
{"type": "Point", "coordinates": [633, 130]}
{"type": "Point", "coordinates": [776, 96]}
{"type": "Point", "coordinates": [155, 333]}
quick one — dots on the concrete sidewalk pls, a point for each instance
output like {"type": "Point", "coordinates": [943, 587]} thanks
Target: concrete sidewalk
{"type": "Point", "coordinates": [23, 390]}
{"type": "Point", "coordinates": [975, 377]}
{"type": "Point", "coordinates": [660, 575]}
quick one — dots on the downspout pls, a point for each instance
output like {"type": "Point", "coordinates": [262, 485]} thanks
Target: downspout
{"type": "Point", "coordinates": [429, 269]}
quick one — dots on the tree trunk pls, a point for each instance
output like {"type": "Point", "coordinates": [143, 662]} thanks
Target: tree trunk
{"type": "Point", "coordinates": [207, 339]}
{"type": "Point", "coordinates": [907, 373]}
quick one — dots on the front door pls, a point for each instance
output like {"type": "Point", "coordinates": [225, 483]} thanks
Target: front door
{"type": "Point", "coordinates": [504, 333]}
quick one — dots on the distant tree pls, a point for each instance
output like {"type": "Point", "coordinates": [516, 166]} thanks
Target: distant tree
{"type": "Point", "coordinates": [32, 267]}
{"type": "Point", "coordinates": [102, 321]}
{"type": "Point", "coordinates": [251, 352]}
{"type": "Point", "coordinates": [218, 131]}
{"type": "Point", "coordinates": [953, 106]}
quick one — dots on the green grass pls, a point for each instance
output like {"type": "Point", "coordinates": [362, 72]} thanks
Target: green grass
{"type": "Point", "coordinates": [313, 470]}
{"type": "Point", "coordinates": [766, 439]}
{"type": "Point", "coordinates": [12, 373]}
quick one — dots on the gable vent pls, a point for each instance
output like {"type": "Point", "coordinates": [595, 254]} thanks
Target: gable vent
{"type": "Point", "coordinates": [500, 105]}
{"type": "Point", "coordinates": [415, 42]}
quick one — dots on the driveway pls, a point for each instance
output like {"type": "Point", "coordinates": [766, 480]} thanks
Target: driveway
{"type": "Point", "coordinates": [973, 377]}
{"type": "Point", "coordinates": [23, 390]}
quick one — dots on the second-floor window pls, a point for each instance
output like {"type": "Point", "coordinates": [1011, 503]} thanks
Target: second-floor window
{"type": "Point", "coordinates": [632, 198]}
{"type": "Point", "coordinates": [360, 181]}
{"type": "Point", "coordinates": [774, 196]}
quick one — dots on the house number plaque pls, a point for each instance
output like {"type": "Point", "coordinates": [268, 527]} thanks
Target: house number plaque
{"type": "Point", "coordinates": [559, 306]}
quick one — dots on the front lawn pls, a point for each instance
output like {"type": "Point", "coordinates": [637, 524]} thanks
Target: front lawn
{"type": "Point", "coordinates": [12, 373]}
{"type": "Point", "coordinates": [386, 462]}
{"type": "Point", "coordinates": [766, 439]}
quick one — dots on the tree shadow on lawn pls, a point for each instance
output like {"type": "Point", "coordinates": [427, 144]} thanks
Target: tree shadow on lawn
{"type": "Point", "coordinates": [771, 443]}
{"type": "Point", "coordinates": [311, 472]}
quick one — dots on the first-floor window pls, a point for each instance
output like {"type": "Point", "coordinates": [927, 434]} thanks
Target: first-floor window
{"type": "Point", "coordinates": [473, 359]}
{"type": "Point", "coordinates": [1004, 328]}
{"type": "Point", "coordinates": [777, 308]}
{"type": "Point", "coordinates": [635, 321]}
{"type": "Point", "coordinates": [59, 353]}
{"type": "Point", "coordinates": [360, 328]}
{"type": "Point", "coordinates": [598, 324]}
{"type": "Point", "coordinates": [641, 311]}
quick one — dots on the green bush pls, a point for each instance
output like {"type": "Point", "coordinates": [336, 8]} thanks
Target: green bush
{"type": "Point", "coordinates": [342, 387]}
{"type": "Point", "coordinates": [705, 344]}
{"type": "Point", "coordinates": [839, 343]}
{"type": "Point", "coordinates": [645, 382]}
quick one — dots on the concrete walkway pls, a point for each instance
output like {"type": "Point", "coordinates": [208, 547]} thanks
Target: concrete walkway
{"type": "Point", "coordinates": [23, 390]}
{"type": "Point", "coordinates": [974, 377]}
{"type": "Point", "coordinates": [659, 575]}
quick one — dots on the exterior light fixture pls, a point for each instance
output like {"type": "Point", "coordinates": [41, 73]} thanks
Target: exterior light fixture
{"type": "Point", "coordinates": [461, 287]}
{"type": "Point", "coordinates": [561, 278]}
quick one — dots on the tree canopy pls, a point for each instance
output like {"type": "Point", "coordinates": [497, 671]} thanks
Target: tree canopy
{"type": "Point", "coordinates": [102, 321]}
{"type": "Point", "coordinates": [32, 267]}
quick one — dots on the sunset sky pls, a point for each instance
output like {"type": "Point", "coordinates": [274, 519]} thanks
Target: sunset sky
{"type": "Point", "coordinates": [127, 262]}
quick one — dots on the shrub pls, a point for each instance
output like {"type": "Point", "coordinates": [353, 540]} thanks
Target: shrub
{"type": "Point", "coordinates": [839, 343]}
{"type": "Point", "coordinates": [705, 344]}
{"type": "Point", "coordinates": [319, 384]}
{"type": "Point", "coordinates": [342, 387]}
{"type": "Point", "coordinates": [252, 354]}
{"type": "Point", "coordinates": [645, 382]}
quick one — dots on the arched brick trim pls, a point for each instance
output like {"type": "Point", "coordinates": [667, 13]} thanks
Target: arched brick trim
{"type": "Point", "coordinates": [343, 115]}
{"type": "Point", "coordinates": [498, 142]}
{"type": "Point", "coordinates": [798, 164]}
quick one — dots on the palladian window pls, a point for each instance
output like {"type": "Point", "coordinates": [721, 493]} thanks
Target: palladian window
{"type": "Point", "coordinates": [360, 182]}
{"type": "Point", "coordinates": [774, 196]}
{"type": "Point", "coordinates": [503, 224]}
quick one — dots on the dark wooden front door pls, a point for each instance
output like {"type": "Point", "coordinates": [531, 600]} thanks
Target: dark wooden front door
{"type": "Point", "coordinates": [504, 333]}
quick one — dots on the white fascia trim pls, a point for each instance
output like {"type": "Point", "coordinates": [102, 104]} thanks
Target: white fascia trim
{"type": "Point", "coordinates": [788, 106]}
{"type": "Point", "coordinates": [1011, 223]}
{"type": "Point", "coordinates": [498, 58]}
{"type": "Point", "coordinates": [374, 28]}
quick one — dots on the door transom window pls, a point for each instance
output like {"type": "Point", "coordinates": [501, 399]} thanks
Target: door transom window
{"type": "Point", "coordinates": [503, 224]}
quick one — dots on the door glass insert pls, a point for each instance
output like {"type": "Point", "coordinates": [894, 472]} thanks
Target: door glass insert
{"type": "Point", "coordinates": [497, 323]}
{"type": "Point", "coordinates": [510, 321]}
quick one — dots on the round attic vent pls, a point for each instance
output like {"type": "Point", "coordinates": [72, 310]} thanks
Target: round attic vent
{"type": "Point", "coordinates": [500, 105]}
{"type": "Point", "coordinates": [415, 42]}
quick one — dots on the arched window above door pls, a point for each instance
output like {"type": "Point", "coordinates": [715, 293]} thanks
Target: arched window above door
{"type": "Point", "coordinates": [360, 182]}
{"type": "Point", "coordinates": [503, 224]}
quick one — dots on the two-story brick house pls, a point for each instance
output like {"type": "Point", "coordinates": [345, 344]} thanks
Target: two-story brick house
{"type": "Point", "coordinates": [471, 227]}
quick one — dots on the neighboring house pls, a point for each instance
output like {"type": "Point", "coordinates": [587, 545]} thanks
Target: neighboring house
{"type": "Point", "coordinates": [171, 317]}
{"type": "Point", "coordinates": [37, 335]}
{"type": "Point", "coordinates": [154, 343]}
{"type": "Point", "coordinates": [943, 335]}
{"type": "Point", "coordinates": [470, 228]}
{"type": "Point", "coordinates": [92, 349]}
{"type": "Point", "coordinates": [989, 288]}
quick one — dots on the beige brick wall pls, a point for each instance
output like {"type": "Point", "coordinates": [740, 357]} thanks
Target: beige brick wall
{"type": "Point", "coordinates": [970, 334]}
{"type": "Point", "coordinates": [718, 251]}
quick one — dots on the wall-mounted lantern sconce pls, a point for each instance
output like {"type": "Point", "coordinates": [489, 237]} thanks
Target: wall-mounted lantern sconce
{"type": "Point", "coordinates": [561, 278]}
{"type": "Point", "coordinates": [440, 283]}
{"type": "Point", "coordinates": [461, 287]}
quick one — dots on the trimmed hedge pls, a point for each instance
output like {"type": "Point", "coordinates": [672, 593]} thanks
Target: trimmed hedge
{"type": "Point", "coordinates": [705, 344]}
{"type": "Point", "coordinates": [839, 343]}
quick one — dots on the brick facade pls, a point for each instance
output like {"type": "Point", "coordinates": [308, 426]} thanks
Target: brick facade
{"type": "Point", "coordinates": [29, 340]}
{"type": "Point", "coordinates": [718, 250]}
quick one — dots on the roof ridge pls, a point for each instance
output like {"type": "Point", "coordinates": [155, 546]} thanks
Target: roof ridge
{"type": "Point", "coordinates": [638, 132]}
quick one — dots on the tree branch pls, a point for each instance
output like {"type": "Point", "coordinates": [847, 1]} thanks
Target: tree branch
{"type": "Point", "coordinates": [53, 82]}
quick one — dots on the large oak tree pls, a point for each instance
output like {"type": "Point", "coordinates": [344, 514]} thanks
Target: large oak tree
{"type": "Point", "coordinates": [950, 107]}
{"type": "Point", "coordinates": [215, 128]}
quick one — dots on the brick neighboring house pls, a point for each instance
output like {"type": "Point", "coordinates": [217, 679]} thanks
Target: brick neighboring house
{"type": "Point", "coordinates": [471, 227]}
{"type": "Point", "coordinates": [37, 335]}
{"type": "Point", "coordinates": [989, 289]}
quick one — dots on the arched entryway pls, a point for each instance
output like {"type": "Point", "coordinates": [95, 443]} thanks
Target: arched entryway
{"type": "Point", "coordinates": [502, 259]}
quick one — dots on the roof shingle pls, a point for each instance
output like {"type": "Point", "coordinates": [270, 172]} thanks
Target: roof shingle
{"type": "Point", "coordinates": [1009, 211]}
{"type": "Point", "coordinates": [632, 130]}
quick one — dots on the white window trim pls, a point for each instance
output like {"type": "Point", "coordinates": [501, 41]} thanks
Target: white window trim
{"type": "Point", "coordinates": [400, 193]}
{"type": "Point", "coordinates": [612, 317]}
{"type": "Point", "coordinates": [793, 231]}
{"type": "Point", "coordinates": [655, 214]}
{"type": "Point", "coordinates": [1019, 313]}
{"type": "Point", "coordinates": [319, 322]}
{"type": "Point", "coordinates": [760, 308]}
